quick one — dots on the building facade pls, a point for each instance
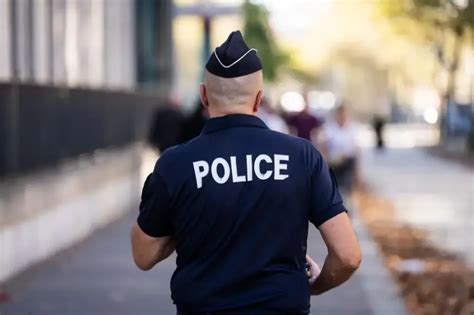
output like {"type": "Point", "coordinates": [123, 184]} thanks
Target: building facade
{"type": "Point", "coordinates": [74, 43]}
{"type": "Point", "coordinates": [67, 64]}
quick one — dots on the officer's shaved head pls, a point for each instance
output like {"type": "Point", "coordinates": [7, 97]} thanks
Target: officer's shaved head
{"type": "Point", "coordinates": [233, 82]}
{"type": "Point", "coordinates": [228, 95]}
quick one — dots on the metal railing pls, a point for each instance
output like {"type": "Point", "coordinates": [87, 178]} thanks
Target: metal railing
{"type": "Point", "coordinates": [42, 125]}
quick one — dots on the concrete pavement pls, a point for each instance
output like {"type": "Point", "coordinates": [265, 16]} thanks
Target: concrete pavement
{"type": "Point", "coordinates": [96, 276]}
{"type": "Point", "coordinates": [429, 192]}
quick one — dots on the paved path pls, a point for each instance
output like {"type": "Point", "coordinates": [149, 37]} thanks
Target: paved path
{"type": "Point", "coordinates": [98, 277]}
{"type": "Point", "coordinates": [427, 191]}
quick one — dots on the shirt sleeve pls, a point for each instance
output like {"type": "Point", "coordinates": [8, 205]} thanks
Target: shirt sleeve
{"type": "Point", "coordinates": [155, 217]}
{"type": "Point", "coordinates": [326, 201]}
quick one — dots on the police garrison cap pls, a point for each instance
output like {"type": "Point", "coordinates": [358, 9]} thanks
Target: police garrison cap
{"type": "Point", "coordinates": [233, 58]}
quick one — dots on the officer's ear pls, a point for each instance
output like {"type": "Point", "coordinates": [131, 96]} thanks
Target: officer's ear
{"type": "Point", "coordinates": [258, 100]}
{"type": "Point", "coordinates": [203, 96]}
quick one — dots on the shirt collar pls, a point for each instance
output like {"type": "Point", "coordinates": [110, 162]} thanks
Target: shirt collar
{"type": "Point", "coordinates": [231, 121]}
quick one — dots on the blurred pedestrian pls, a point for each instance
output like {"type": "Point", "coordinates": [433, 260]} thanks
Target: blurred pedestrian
{"type": "Point", "coordinates": [166, 126]}
{"type": "Point", "coordinates": [271, 117]}
{"type": "Point", "coordinates": [235, 204]}
{"type": "Point", "coordinates": [194, 123]}
{"type": "Point", "coordinates": [378, 123]}
{"type": "Point", "coordinates": [338, 144]}
{"type": "Point", "coordinates": [304, 124]}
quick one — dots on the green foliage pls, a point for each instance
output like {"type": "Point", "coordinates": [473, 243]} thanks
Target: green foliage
{"type": "Point", "coordinates": [258, 35]}
{"type": "Point", "coordinates": [465, 16]}
{"type": "Point", "coordinates": [442, 24]}
{"type": "Point", "coordinates": [429, 16]}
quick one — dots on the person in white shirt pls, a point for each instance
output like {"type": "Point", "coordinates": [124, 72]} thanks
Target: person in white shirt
{"type": "Point", "coordinates": [338, 145]}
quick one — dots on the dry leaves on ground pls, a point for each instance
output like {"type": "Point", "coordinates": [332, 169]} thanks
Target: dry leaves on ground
{"type": "Point", "coordinates": [431, 281]}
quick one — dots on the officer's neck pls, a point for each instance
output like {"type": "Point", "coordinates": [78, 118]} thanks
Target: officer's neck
{"type": "Point", "coordinates": [230, 110]}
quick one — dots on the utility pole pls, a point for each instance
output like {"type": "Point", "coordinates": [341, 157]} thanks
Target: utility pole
{"type": "Point", "coordinates": [207, 11]}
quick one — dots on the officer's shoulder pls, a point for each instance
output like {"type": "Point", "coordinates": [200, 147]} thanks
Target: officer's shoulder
{"type": "Point", "coordinates": [305, 149]}
{"type": "Point", "coordinates": [295, 141]}
{"type": "Point", "coordinates": [173, 154]}
{"type": "Point", "coordinates": [166, 158]}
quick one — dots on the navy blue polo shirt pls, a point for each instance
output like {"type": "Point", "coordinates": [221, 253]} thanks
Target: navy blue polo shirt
{"type": "Point", "coordinates": [238, 199]}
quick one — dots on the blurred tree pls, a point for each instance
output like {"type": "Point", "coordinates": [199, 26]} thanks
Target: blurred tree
{"type": "Point", "coordinates": [258, 34]}
{"type": "Point", "coordinates": [444, 24]}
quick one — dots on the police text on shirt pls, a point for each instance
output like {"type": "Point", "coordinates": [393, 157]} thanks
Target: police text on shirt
{"type": "Point", "coordinates": [253, 167]}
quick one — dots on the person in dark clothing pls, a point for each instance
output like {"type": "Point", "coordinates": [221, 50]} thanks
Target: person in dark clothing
{"type": "Point", "coordinates": [194, 123]}
{"type": "Point", "coordinates": [235, 203]}
{"type": "Point", "coordinates": [378, 123]}
{"type": "Point", "coordinates": [166, 127]}
{"type": "Point", "coordinates": [304, 124]}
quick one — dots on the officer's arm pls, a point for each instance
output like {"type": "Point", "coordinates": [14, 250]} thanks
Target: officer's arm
{"type": "Point", "coordinates": [148, 251]}
{"type": "Point", "coordinates": [343, 257]}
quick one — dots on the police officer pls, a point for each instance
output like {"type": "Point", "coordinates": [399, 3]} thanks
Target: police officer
{"type": "Point", "coordinates": [235, 203]}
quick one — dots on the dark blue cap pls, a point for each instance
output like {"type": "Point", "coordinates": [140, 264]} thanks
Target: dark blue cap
{"type": "Point", "coordinates": [233, 58]}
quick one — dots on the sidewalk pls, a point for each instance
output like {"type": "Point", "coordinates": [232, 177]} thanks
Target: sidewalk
{"type": "Point", "coordinates": [98, 277]}
{"type": "Point", "coordinates": [427, 191]}
{"type": "Point", "coordinates": [94, 277]}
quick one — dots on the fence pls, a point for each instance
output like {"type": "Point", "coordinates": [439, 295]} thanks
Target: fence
{"type": "Point", "coordinates": [41, 125]}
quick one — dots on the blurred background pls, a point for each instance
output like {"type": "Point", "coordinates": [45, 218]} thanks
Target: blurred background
{"type": "Point", "coordinates": [92, 90]}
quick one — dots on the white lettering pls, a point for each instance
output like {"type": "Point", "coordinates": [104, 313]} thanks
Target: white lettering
{"type": "Point", "coordinates": [225, 166]}
{"type": "Point", "coordinates": [279, 166]}
{"type": "Point", "coordinates": [221, 170]}
{"type": "Point", "coordinates": [249, 167]}
{"type": "Point", "coordinates": [258, 172]}
{"type": "Point", "coordinates": [201, 169]}
{"type": "Point", "coordinates": [236, 178]}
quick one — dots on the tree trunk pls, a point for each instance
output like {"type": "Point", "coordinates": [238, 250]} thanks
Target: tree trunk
{"type": "Point", "coordinates": [449, 98]}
